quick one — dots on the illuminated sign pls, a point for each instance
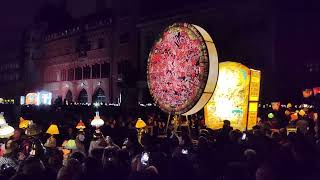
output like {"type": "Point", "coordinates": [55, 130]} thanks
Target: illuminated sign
{"type": "Point", "coordinates": [44, 98]}
{"type": "Point", "coordinates": [230, 100]}
{"type": "Point", "coordinates": [38, 98]}
{"type": "Point", "coordinates": [31, 99]}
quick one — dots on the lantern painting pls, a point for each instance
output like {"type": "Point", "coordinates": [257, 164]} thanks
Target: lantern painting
{"type": "Point", "coordinates": [230, 100]}
{"type": "Point", "coordinates": [38, 98]}
{"type": "Point", "coordinates": [182, 69]}
{"type": "Point", "coordinates": [32, 99]}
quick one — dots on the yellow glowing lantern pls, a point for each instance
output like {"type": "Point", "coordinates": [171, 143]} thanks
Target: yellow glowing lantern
{"type": "Point", "coordinates": [235, 98]}
{"type": "Point", "coordinates": [289, 105]}
{"type": "Point", "coordinates": [140, 124]}
{"type": "Point", "coordinates": [302, 112]}
{"type": "Point", "coordinates": [80, 126]}
{"type": "Point", "coordinates": [23, 123]}
{"type": "Point", "coordinates": [97, 121]}
{"type": "Point", "coordinates": [287, 112]}
{"type": "Point", "coordinates": [53, 129]}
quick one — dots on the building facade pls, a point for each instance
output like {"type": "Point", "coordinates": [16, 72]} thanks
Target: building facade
{"type": "Point", "coordinates": [11, 75]}
{"type": "Point", "coordinates": [86, 60]}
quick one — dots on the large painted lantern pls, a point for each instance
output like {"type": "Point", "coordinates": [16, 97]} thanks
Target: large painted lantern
{"type": "Point", "coordinates": [235, 98]}
{"type": "Point", "coordinates": [182, 69]}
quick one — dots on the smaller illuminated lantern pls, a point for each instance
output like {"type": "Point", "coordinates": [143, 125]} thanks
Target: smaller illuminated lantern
{"type": "Point", "coordinates": [23, 123]}
{"type": "Point", "coordinates": [270, 115]}
{"type": "Point", "coordinates": [302, 112]}
{"type": "Point", "coordinates": [51, 142]}
{"type": "Point", "coordinates": [53, 129]}
{"type": "Point", "coordinates": [140, 124]}
{"type": "Point", "coordinates": [97, 121]}
{"type": "Point", "coordinates": [6, 131]}
{"type": "Point", "coordinates": [71, 144]}
{"type": "Point", "coordinates": [80, 126]}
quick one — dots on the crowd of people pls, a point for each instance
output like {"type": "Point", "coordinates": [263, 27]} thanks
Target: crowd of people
{"type": "Point", "coordinates": [114, 151]}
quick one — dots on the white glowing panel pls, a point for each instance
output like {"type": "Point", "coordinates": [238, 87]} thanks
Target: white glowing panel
{"type": "Point", "coordinates": [44, 97]}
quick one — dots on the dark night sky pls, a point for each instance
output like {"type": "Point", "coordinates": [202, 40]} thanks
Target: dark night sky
{"type": "Point", "coordinates": [15, 15]}
{"type": "Point", "coordinates": [300, 21]}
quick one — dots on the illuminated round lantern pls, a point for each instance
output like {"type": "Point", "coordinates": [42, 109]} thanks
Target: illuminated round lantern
{"type": "Point", "coordinates": [97, 121]}
{"type": "Point", "coordinates": [293, 116]}
{"type": "Point", "coordinates": [289, 105]}
{"type": "Point", "coordinates": [182, 69]}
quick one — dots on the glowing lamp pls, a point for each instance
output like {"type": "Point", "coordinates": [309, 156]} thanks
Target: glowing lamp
{"type": "Point", "coordinates": [293, 116]}
{"type": "Point", "coordinates": [6, 131]}
{"type": "Point", "coordinates": [287, 112]}
{"type": "Point", "coordinates": [97, 121]}
{"type": "Point", "coordinates": [53, 129]}
{"type": "Point", "coordinates": [140, 124]}
{"type": "Point", "coordinates": [80, 126]}
{"type": "Point", "coordinates": [71, 144]}
{"type": "Point", "coordinates": [270, 115]}
{"type": "Point", "coordinates": [302, 113]}
{"type": "Point", "coordinates": [289, 105]}
{"type": "Point", "coordinates": [23, 123]}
